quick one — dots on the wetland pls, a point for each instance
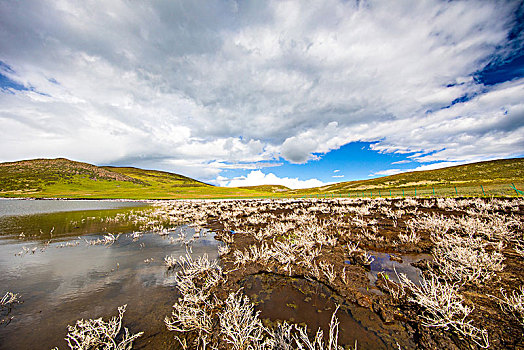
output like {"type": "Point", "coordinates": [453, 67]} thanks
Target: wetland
{"type": "Point", "coordinates": [268, 274]}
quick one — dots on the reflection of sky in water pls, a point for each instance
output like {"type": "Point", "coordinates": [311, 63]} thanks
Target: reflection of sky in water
{"type": "Point", "coordinates": [28, 207]}
{"type": "Point", "coordinates": [383, 263]}
{"type": "Point", "coordinates": [61, 285]}
{"type": "Point", "coordinates": [88, 275]}
{"type": "Point", "coordinates": [71, 271]}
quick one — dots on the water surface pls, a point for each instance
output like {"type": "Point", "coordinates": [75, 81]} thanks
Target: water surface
{"type": "Point", "coordinates": [27, 206]}
{"type": "Point", "coordinates": [62, 278]}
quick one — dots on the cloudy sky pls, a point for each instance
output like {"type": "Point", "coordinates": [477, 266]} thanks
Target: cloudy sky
{"type": "Point", "coordinates": [249, 92]}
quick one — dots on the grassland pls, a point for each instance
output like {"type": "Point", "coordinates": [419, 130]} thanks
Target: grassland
{"type": "Point", "coordinates": [63, 178]}
{"type": "Point", "coordinates": [492, 177]}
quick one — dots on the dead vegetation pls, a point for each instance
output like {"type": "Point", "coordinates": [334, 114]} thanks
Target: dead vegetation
{"type": "Point", "coordinates": [8, 301]}
{"type": "Point", "coordinates": [334, 242]}
{"type": "Point", "coordinates": [98, 334]}
{"type": "Point", "coordinates": [472, 252]}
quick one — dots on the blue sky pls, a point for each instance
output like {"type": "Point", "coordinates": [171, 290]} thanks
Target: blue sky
{"type": "Point", "coordinates": [354, 161]}
{"type": "Point", "coordinates": [299, 93]}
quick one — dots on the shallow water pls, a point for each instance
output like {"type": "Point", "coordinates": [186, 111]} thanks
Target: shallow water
{"type": "Point", "coordinates": [384, 264]}
{"type": "Point", "coordinates": [60, 284]}
{"type": "Point", "coordinates": [27, 207]}
{"type": "Point", "coordinates": [46, 219]}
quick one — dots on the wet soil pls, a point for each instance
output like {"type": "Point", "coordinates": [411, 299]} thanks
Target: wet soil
{"type": "Point", "coordinates": [367, 313]}
{"type": "Point", "coordinates": [291, 293]}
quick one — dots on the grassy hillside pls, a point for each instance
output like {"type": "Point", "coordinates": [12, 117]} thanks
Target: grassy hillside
{"type": "Point", "coordinates": [62, 178]}
{"type": "Point", "coordinates": [494, 176]}
{"type": "Point", "coordinates": [267, 188]}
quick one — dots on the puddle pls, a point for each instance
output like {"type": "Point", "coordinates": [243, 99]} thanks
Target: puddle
{"type": "Point", "coordinates": [60, 284]}
{"type": "Point", "coordinates": [383, 263]}
{"type": "Point", "coordinates": [302, 301]}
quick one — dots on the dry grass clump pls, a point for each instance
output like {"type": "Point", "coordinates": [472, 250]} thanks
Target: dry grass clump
{"type": "Point", "coordinates": [409, 238]}
{"type": "Point", "coordinates": [98, 334]}
{"type": "Point", "coordinates": [303, 341]}
{"type": "Point", "coordinates": [108, 239]}
{"type": "Point", "coordinates": [519, 247]}
{"type": "Point", "coordinates": [193, 312]}
{"type": "Point", "coordinates": [513, 304]}
{"type": "Point", "coordinates": [466, 259]}
{"type": "Point", "coordinates": [443, 307]}
{"type": "Point", "coordinates": [9, 299]}
{"type": "Point", "coordinates": [240, 326]}
{"type": "Point", "coordinates": [301, 247]}
{"type": "Point", "coordinates": [6, 305]}
{"type": "Point", "coordinates": [170, 262]}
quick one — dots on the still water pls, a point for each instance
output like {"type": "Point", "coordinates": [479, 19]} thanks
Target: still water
{"type": "Point", "coordinates": [26, 207]}
{"type": "Point", "coordinates": [45, 257]}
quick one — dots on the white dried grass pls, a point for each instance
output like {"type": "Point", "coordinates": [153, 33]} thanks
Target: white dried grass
{"type": "Point", "coordinates": [513, 304]}
{"type": "Point", "coordinates": [409, 238]}
{"type": "Point", "coordinates": [170, 262]}
{"type": "Point", "coordinates": [196, 281]}
{"type": "Point", "coordinates": [240, 325]}
{"type": "Point", "coordinates": [352, 248]}
{"type": "Point", "coordinates": [303, 341]}
{"type": "Point", "coordinates": [466, 259]}
{"type": "Point", "coordinates": [328, 271]}
{"type": "Point", "coordinates": [108, 240]}
{"type": "Point", "coordinates": [98, 334]}
{"type": "Point", "coordinates": [443, 307]}
{"type": "Point", "coordinates": [9, 299]}
{"type": "Point", "coordinates": [367, 258]}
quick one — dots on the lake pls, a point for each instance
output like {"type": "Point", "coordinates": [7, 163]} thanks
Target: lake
{"type": "Point", "coordinates": [47, 256]}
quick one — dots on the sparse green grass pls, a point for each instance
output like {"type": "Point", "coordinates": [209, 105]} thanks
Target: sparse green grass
{"type": "Point", "coordinates": [62, 178]}
{"type": "Point", "coordinates": [495, 177]}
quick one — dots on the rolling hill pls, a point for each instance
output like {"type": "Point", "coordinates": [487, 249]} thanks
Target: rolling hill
{"type": "Point", "coordinates": [494, 176]}
{"type": "Point", "coordinates": [63, 178]}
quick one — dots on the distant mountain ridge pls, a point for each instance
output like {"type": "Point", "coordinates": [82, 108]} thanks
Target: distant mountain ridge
{"type": "Point", "coordinates": [36, 172]}
{"type": "Point", "coordinates": [63, 178]}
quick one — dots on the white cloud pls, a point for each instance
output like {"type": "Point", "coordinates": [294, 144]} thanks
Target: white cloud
{"type": "Point", "coordinates": [402, 162]}
{"type": "Point", "coordinates": [336, 170]}
{"type": "Point", "coordinates": [257, 177]}
{"type": "Point", "coordinates": [338, 176]}
{"type": "Point", "coordinates": [197, 87]}
{"type": "Point", "coordinates": [387, 172]}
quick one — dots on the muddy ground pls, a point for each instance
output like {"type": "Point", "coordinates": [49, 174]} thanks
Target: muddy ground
{"type": "Point", "coordinates": [368, 313]}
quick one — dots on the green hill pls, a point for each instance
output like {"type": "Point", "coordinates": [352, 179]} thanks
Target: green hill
{"type": "Point", "coordinates": [494, 176]}
{"type": "Point", "coordinates": [267, 188]}
{"type": "Point", "coordinates": [63, 178]}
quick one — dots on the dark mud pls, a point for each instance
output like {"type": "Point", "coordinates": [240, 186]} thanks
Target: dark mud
{"type": "Point", "coordinates": [308, 302]}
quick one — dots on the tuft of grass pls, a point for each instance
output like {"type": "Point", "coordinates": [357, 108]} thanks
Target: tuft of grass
{"type": "Point", "coordinates": [98, 334]}
{"type": "Point", "coordinates": [443, 307]}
